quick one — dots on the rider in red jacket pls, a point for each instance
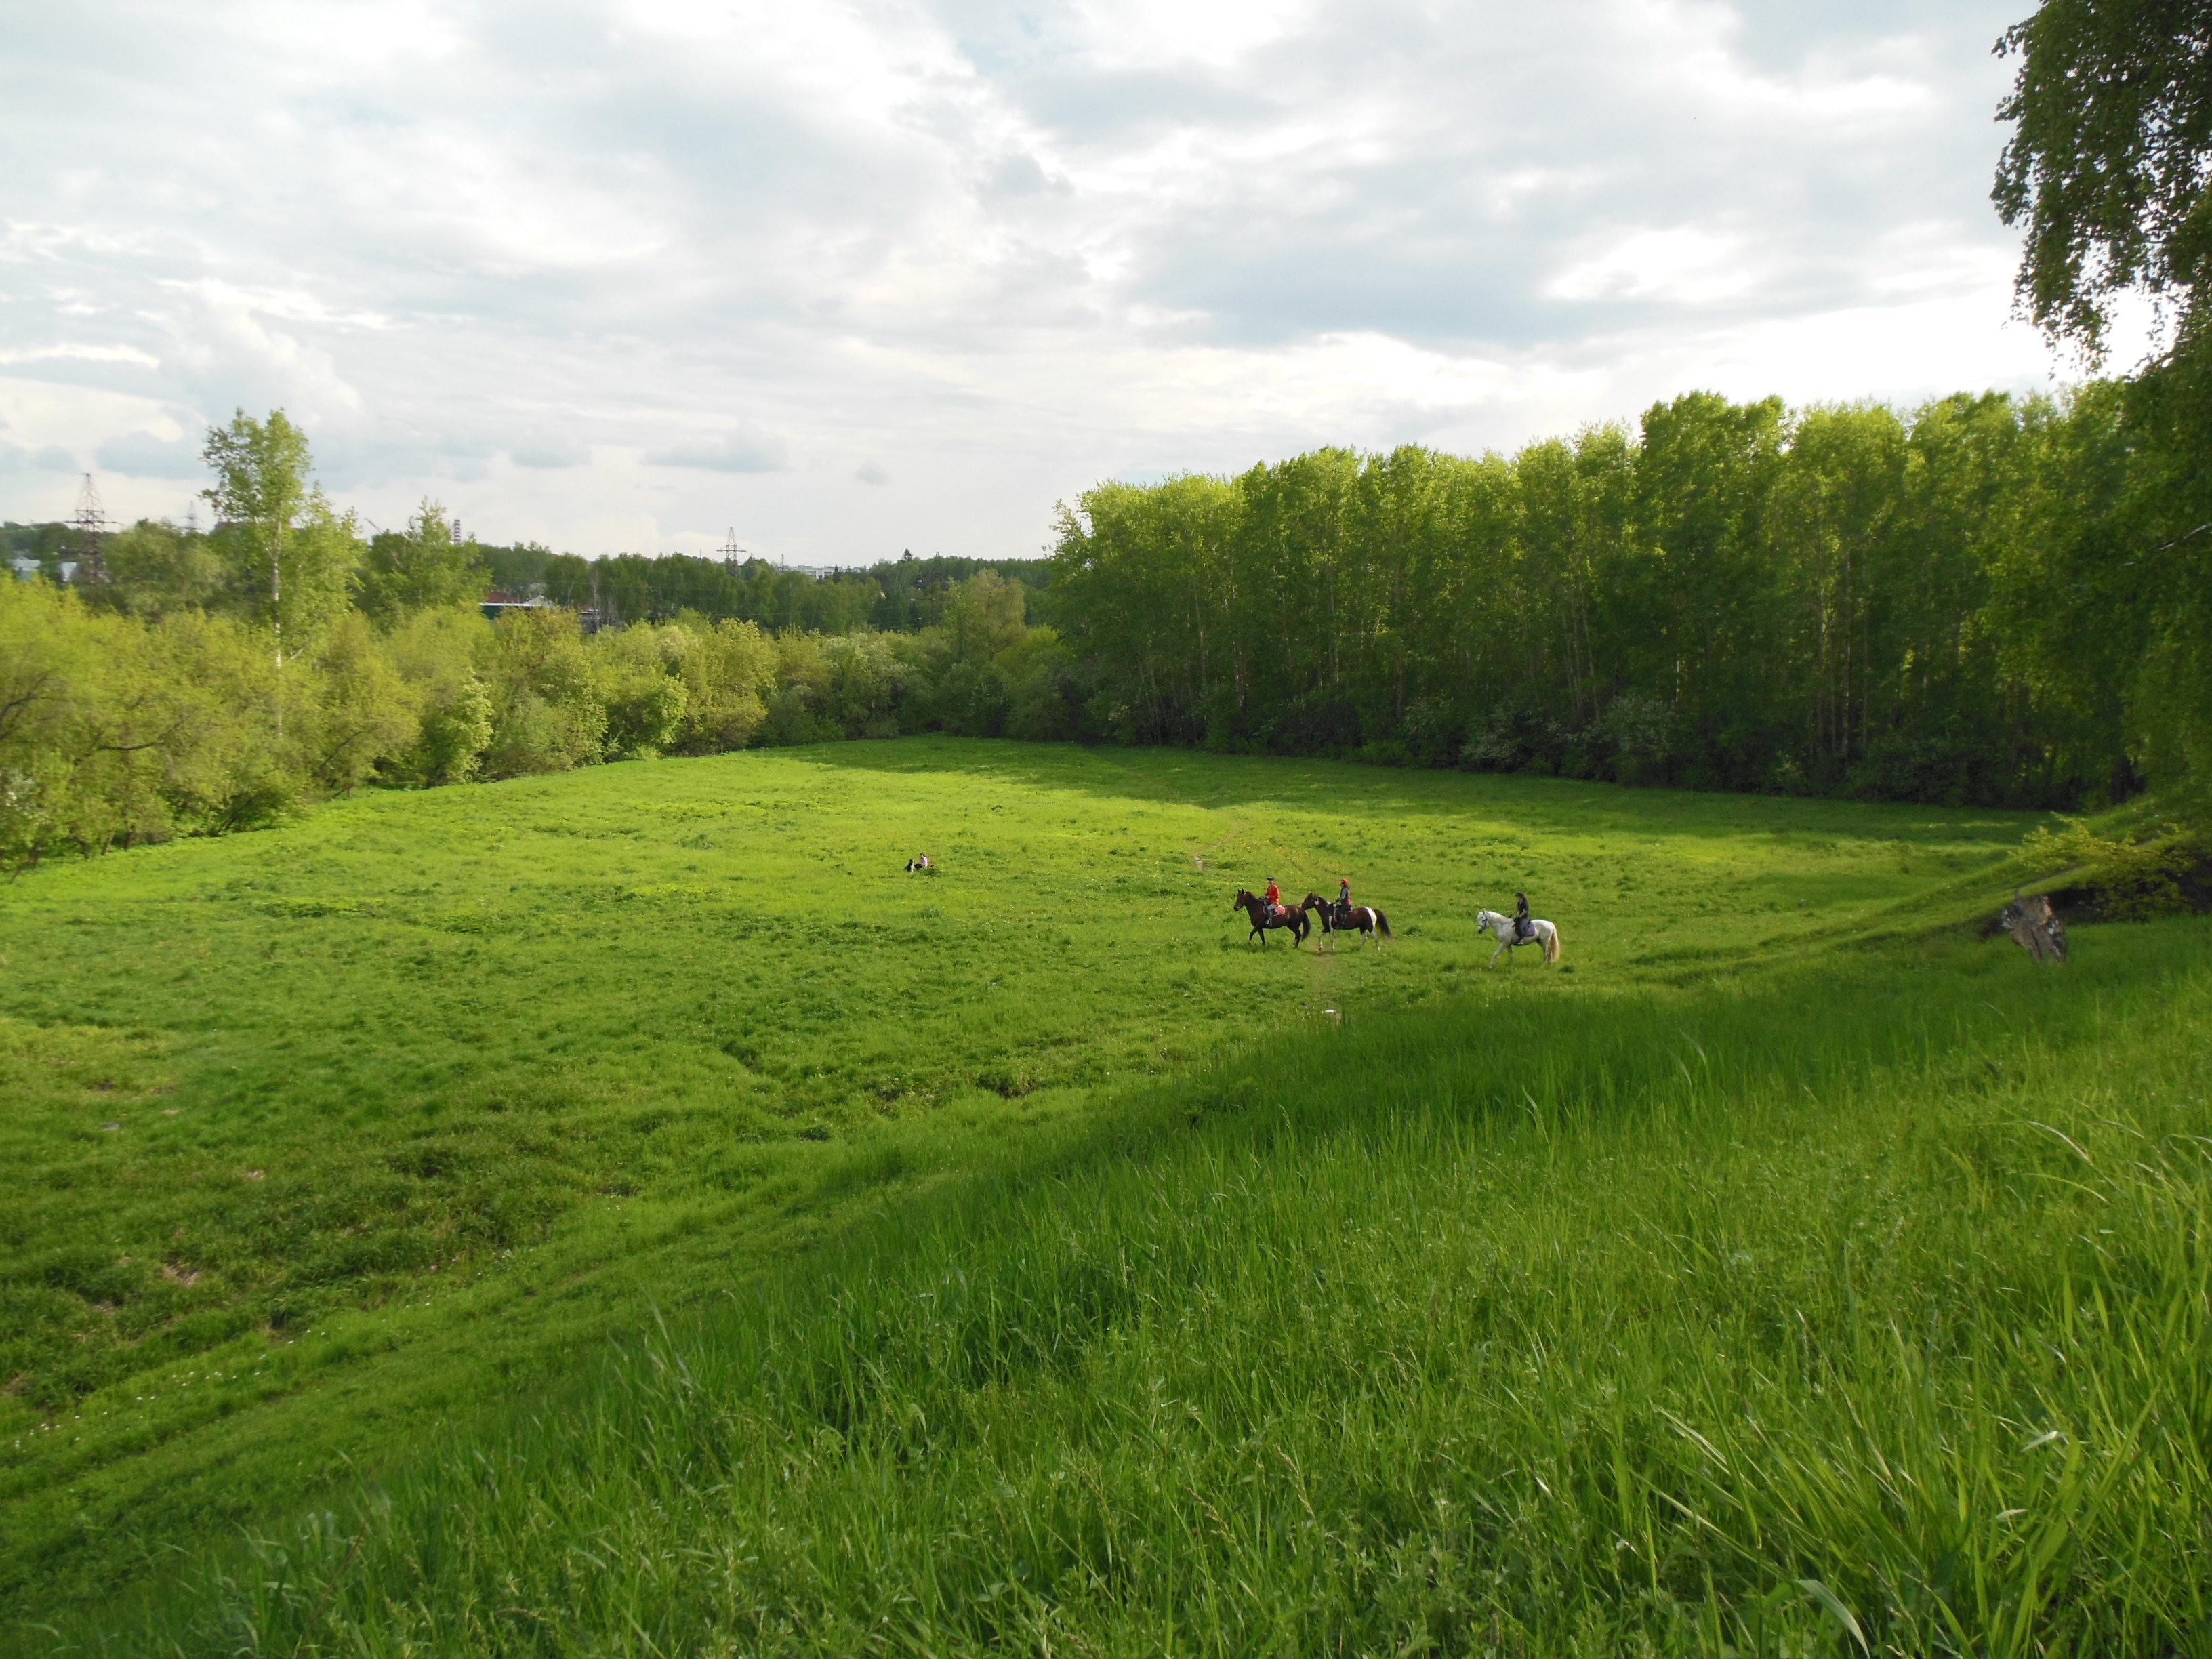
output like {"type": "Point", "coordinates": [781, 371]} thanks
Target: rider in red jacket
{"type": "Point", "coordinates": [1275, 897]}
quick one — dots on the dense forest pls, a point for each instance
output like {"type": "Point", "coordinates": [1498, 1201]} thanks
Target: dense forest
{"type": "Point", "coordinates": [1944, 605]}
{"type": "Point", "coordinates": [902, 596]}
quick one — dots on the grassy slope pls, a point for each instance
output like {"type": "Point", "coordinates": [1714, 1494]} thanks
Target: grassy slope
{"type": "Point", "coordinates": [1667, 1320]}
{"type": "Point", "coordinates": [414, 1097]}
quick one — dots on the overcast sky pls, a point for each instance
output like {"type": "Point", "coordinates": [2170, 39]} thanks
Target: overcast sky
{"type": "Point", "coordinates": [622, 275]}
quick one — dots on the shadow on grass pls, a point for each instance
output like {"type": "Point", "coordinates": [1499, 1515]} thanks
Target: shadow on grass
{"type": "Point", "coordinates": [1550, 805]}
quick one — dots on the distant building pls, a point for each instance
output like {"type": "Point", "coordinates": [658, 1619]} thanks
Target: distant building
{"type": "Point", "coordinates": [497, 603]}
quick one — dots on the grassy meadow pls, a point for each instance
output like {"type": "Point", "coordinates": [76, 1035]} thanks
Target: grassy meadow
{"type": "Point", "coordinates": [1027, 1260]}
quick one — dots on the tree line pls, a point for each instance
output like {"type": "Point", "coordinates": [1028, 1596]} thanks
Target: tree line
{"type": "Point", "coordinates": [194, 682]}
{"type": "Point", "coordinates": [900, 596]}
{"type": "Point", "coordinates": [1944, 605]}
{"type": "Point", "coordinates": [1983, 600]}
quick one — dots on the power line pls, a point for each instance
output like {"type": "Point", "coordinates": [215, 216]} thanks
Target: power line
{"type": "Point", "coordinates": [92, 523]}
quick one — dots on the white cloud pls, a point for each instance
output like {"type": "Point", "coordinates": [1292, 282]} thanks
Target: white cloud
{"type": "Point", "coordinates": [1685, 264]}
{"type": "Point", "coordinates": [14, 458]}
{"type": "Point", "coordinates": [551, 450]}
{"type": "Point", "coordinates": [742, 451]}
{"type": "Point", "coordinates": [143, 455]}
{"type": "Point", "coordinates": [998, 253]}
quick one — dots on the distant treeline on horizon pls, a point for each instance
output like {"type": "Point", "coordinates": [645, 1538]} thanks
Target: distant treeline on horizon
{"type": "Point", "coordinates": [900, 595]}
{"type": "Point", "coordinates": [1983, 601]}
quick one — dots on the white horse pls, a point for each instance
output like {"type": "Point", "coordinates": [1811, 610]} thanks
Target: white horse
{"type": "Point", "coordinates": [1501, 928]}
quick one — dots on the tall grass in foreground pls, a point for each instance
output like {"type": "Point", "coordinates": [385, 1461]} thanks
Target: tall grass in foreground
{"type": "Point", "coordinates": [1866, 1312]}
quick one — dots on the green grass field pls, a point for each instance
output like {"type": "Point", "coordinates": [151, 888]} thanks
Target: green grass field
{"type": "Point", "coordinates": [1030, 1261]}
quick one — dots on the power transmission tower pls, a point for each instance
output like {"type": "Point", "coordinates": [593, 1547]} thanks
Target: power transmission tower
{"type": "Point", "coordinates": [91, 523]}
{"type": "Point", "coordinates": [732, 553]}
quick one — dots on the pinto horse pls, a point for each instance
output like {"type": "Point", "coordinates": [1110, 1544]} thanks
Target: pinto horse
{"type": "Point", "coordinates": [1265, 918]}
{"type": "Point", "coordinates": [1501, 927]}
{"type": "Point", "coordinates": [1343, 918]}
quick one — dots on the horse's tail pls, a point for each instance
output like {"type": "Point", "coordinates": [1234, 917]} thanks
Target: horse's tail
{"type": "Point", "coordinates": [1551, 944]}
{"type": "Point", "coordinates": [1383, 924]}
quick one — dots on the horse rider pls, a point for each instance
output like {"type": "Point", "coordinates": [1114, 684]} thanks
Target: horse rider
{"type": "Point", "coordinates": [1523, 933]}
{"type": "Point", "coordinates": [1274, 897]}
{"type": "Point", "coordinates": [1344, 899]}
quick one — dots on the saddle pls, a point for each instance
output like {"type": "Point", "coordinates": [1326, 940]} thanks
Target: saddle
{"type": "Point", "coordinates": [1343, 915]}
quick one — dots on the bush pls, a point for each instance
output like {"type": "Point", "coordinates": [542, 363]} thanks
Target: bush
{"type": "Point", "coordinates": [2132, 879]}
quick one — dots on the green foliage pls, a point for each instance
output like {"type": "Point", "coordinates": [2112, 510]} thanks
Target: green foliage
{"type": "Point", "coordinates": [645, 700]}
{"type": "Point", "coordinates": [438, 655]}
{"type": "Point", "coordinates": [548, 712]}
{"type": "Point", "coordinates": [1839, 601]}
{"type": "Point", "coordinates": [285, 537]}
{"type": "Point", "coordinates": [154, 567]}
{"type": "Point", "coordinates": [421, 569]}
{"type": "Point", "coordinates": [364, 714]}
{"type": "Point", "coordinates": [2134, 877]}
{"type": "Point", "coordinates": [729, 673]}
{"type": "Point", "coordinates": [114, 732]}
{"type": "Point", "coordinates": [2111, 116]}
{"type": "Point", "coordinates": [2107, 164]}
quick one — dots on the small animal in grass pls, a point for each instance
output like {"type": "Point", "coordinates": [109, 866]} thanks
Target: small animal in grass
{"type": "Point", "coordinates": [919, 864]}
{"type": "Point", "coordinates": [2034, 927]}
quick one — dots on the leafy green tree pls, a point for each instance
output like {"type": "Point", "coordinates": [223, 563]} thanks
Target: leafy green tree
{"type": "Point", "coordinates": [156, 567]}
{"type": "Point", "coordinates": [437, 653]}
{"type": "Point", "coordinates": [363, 715]}
{"type": "Point", "coordinates": [1045, 693]}
{"type": "Point", "coordinates": [2110, 166]}
{"type": "Point", "coordinates": [983, 616]}
{"type": "Point", "coordinates": [1705, 482]}
{"type": "Point", "coordinates": [547, 715]}
{"type": "Point", "coordinates": [2112, 118]}
{"type": "Point", "coordinates": [303, 552]}
{"type": "Point", "coordinates": [641, 688]}
{"type": "Point", "coordinates": [1835, 509]}
{"type": "Point", "coordinates": [729, 674]}
{"type": "Point", "coordinates": [421, 568]}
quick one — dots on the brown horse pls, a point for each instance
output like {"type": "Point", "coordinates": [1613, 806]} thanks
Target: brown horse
{"type": "Point", "coordinates": [1344, 918]}
{"type": "Point", "coordinates": [1263, 918]}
